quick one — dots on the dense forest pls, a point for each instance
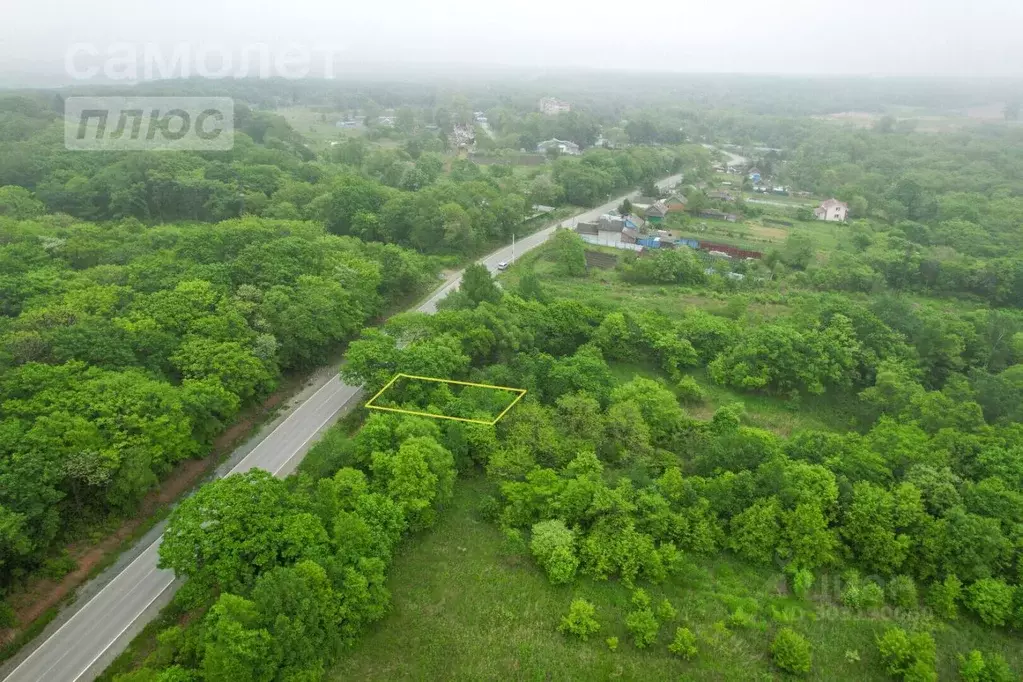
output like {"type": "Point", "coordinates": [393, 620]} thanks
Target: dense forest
{"type": "Point", "coordinates": [146, 299]}
{"type": "Point", "coordinates": [127, 349]}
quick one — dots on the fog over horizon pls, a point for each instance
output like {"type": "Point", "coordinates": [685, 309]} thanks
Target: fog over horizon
{"type": "Point", "coordinates": [796, 37]}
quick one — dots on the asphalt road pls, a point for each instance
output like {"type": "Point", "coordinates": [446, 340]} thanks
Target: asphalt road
{"type": "Point", "coordinates": [733, 159]}
{"type": "Point", "coordinates": [83, 646]}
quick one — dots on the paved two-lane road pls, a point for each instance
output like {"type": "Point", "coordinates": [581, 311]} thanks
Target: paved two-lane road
{"type": "Point", "coordinates": [84, 645]}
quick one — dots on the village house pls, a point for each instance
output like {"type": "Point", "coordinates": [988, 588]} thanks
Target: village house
{"type": "Point", "coordinates": [676, 203]}
{"type": "Point", "coordinates": [552, 106]}
{"type": "Point", "coordinates": [608, 229]}
{"type": "Point", "coordinates": [463, 136]}
{"type": "Point", "coordinates": [832, 210]}
{"type": "Point", "coordinates": [563, 147]}
{"type": "Point", "coordinates": [754, 174]}
{"type": "Point", "coordinates": [610, 222]}
{"type": "Point", "coordinates": [656, 212]}
{"type": "Point", "coordinates": [634, 222]}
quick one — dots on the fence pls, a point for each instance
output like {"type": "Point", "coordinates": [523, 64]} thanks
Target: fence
{"type": "Point", "coordinates": [597, 241]}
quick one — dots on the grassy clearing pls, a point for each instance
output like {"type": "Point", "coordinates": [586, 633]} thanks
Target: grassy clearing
{"type": "Point", "coordinates": [605, 288]}
{"type": "Point", "coordinates": [318, 125]}
{"type": "Point", "coordinates": [780, 415]}
{"type": "Point", "coordinates": [465, 609]}
{"type": "Point", "coordinates": [748, 234]}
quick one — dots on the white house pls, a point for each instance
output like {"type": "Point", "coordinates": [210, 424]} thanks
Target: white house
{"type": "Point", "coordinates": [563, 146]}
{"type": "Point", "coordinates": [833, 210]}
{"type": "Point", "coordinates": [552, 106]}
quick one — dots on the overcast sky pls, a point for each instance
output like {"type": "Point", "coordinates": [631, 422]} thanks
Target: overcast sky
{"type": "Point", "coordinates": [881, 37]}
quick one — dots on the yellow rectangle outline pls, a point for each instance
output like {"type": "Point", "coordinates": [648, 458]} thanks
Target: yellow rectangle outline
{"type": "Point", "coordinates": [369, 403]}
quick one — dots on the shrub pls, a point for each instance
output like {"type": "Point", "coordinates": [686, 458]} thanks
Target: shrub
{"type": "Point", "coordinates": [553, 546]}
{"type": "Point", "coordinates": [976, 667]}
{"type": "Point", "coordinates": [581, 620]}
{"type": "Point", "coordinates": [640, 599]}
{"type": "Point", "coordinates": [861, 596]}
{"type": "Point", "coordinates": [851, 596]}
{"type": "Point", "coordinates": [689, 391]}
{"type": "Point", "coordinates": [991, 600]}
{"type": "Point", "coordinates": [791, 652]}
{"type": "Point", "coordinates": [665, 611]}
{"type": "Point", "coordinates": [997, 669]}
{"type": "Point", "coordinates": [643, 626]}
{"type": "Point", "coordinates": [7, 617]}
{"type": "Point", "coordinates": [514, 543]}
{"type": "Point", "coordinates": [612, 643]}
{"type": "Point", "coordinates": [802, 581]}
{"type": "Point", "coordinates": [871, 596]}
{"type": "Point", "coordinates": [489, 509]}
{"type": "Point", "coordinates": [943, 597]}
{"type": "Point", "coordinates": [741, 619]}
{"type": "Point", "coordinates": [57, 567]}
{"type": "Point", "coordinates": [684, 644]}
{"type": "Point", "coordinates": [671, 558]}
{"type": "Point", "coordinates": [909, 656]}
{"type": "Point", "coordinates": [901, 592]}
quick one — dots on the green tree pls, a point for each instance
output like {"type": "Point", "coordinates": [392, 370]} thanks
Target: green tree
{"type": "Point", "coordinates": [581, 620]}
{"type": "Point", "coordinates": [419, 477]}
{"type": "Point", "coordinates": [644, 627]}
{"type": "Point", "coordinates": [568, 252]}
{"type": "Point", "coordinates": [908, 656]}
{"type": "Point", "coordinates": [756, 531]}
{"type": "Point", "coordinates": [479, 286]}
{"type": "Point", "coordinates": [806, 540]}
{"type": "Point", "coordinates": [234, 529]}
{"type": "Point", "coordinates": [876, 525]}
{"type": "Point", "coordinates": [943, 597]}
{"type": "Point", "coordinates": [236, 648]}
{"type": "Point", "coordinates": [791, 652]}
{"type": "Point", "coordinates": [553, 546]}
{"type": "Point", "coordinates": [236, 367]}
{"type": "Point", "coordinates": [19, 203]}
{"type": "Point", "coordinates": [901, 592]}
{"type": "Point", "coordinates": [302, 614]}
{"type": "Point", "coordinates": [684, 644]}
{"type": "Point", "coordinates": [991, 599]}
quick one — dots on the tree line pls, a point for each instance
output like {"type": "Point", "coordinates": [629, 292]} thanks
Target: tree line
{"type": "Point", "coordinates": [126, 349]}
{"type": "Point", "coordinates": [401, 196]}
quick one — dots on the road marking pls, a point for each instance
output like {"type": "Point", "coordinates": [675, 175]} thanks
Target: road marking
{"type": "Point", "coordinates": [330, 382]}
{"type": "Point", "coordinates": [317, 430]}
{"type": "Point", "coordinates": [123, 630]}
{"type": "Point", "coordinates": [286, 420]}
{"type": "Point", "coordinates": [87, 605]}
